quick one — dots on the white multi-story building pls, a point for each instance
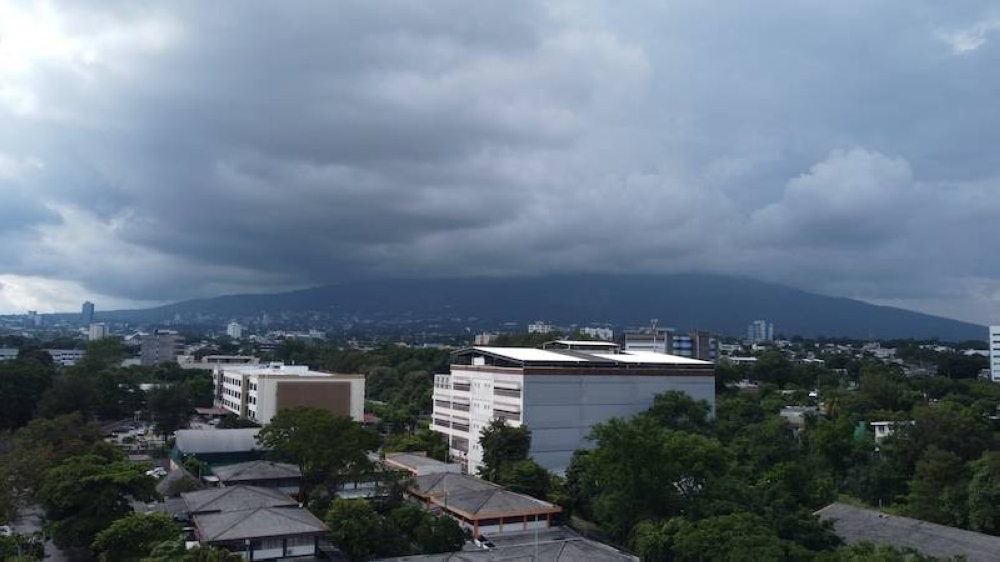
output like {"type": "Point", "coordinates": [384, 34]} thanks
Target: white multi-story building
{"type": "Point", "coordinates": [98, 331]}
{"type": "Point", "coordinates": [760, 331]}
{"type": "Point", "coordinates": [66, 357]}
{"type": "Point", "coordinates": [995, 353]}
{"type": "Point", "coordinates": [234, 330]}
{"type": "Point", "coordinates": [8, 353]}
{"type": "Point", "coordinates": [258, 392]}
{"type": "Point", "coordinates": [539, 327]}
{"type": "Point", "coordinates": [560, 394]}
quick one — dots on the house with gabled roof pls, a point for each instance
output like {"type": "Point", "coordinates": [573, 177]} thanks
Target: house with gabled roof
{"type": "Point", "coordinates": [483, 507]}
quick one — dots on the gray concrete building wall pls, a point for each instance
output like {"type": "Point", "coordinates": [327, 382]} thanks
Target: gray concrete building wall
{"type": "Point", "coordinates": [561, 410]}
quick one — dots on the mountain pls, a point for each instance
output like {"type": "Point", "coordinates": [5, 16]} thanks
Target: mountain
{"type": "Point", "coordinates": [720, 304]}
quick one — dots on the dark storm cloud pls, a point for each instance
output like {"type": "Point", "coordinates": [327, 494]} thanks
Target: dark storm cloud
{"type": "Point", "coordinates": [190, 149]}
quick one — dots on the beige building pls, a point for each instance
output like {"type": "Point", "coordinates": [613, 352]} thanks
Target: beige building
{"type": "Point", "coordinates": [259, 392]}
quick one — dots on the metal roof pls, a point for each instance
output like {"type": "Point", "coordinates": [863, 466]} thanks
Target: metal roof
{"type": "Point", "coordinates": [547, 545]}
{"type": "Point", "coordinates": [478, 498]}
{"type": "Point", "coordinates": [527, 355]}
{"type": "Point", "coordinates": [201, 441]}
{"type": "Point", "coordinates": [855, 524]}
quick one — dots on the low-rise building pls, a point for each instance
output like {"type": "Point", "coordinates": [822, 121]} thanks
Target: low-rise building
{"type": "Point", "coordinates": [259, 392]}
{"type": "Point", "coordinates": [482, 507]}
{"type": "Point", "coordinates": [216, 447]}
{"type": "Point", "coordinates": [558, 544]}
{"type": "Point", "coordinates": [856, 524]}
{"type": "Point", "coordinates": [419, 464]}
{"type": "Point", "coordinates": [8, 353]}
{"type": "Point", "coordinates": [66, 357]}
{"type": "Point", "coordinates": [259, 523]}
{"type": "Point", "coordinates": [284, 477]}
{"type": "Point", "coordinates": [97, 331]}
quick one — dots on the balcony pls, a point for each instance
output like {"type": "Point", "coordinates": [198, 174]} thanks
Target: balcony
{"type": "Point", "coordinates": [442, 404]}
{"type": "Point", "coordinates": [460, 406]}
{"type": "Point", "coordinates": [442, 423]}
{"type": "Point", "coordinates": [461, 387]}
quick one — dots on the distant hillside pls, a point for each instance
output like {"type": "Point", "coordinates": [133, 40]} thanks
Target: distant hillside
{"type": "Point", "coordinates": [712, 302]}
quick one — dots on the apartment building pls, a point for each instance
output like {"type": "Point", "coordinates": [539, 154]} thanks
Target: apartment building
{"type": "Point", "coordinates": [559, 393]}
{"type": "Point", "coordinates": [161, 346]}
{"type": "Point", "coordinates": [258, 392]}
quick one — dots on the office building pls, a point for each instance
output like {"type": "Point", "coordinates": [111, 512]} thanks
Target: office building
{"type": "Point", "coordinates": [697, 344]}
{"type": "Point", "coordinates": [994, 353]}
{"type": "Point", "coordinates": [161, 346]}
{"type": "Point", "coordinates": [98, 331]}
{"type": "Point", "coordinates": [258, 392]}
{"type": "Point", "coordinates": [560, 394]}
{"type": "Point", "coordinates": [651, 340]}
{"type": "Point", "coordinates": [234, 330]}
{"type": "Point", "coordinates": [539, 327]}
{"type": "Point", "coordinates": [760, 331]}
{"type": "Point", "coordinates": [87, 313]}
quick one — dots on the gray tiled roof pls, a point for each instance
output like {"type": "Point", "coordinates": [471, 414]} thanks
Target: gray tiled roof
{"type": "Point", "coordinates": [257, 523]}
{"type": "Point", "coordinates": [854, 524]}
{"type": "Point", "coordinates": [478, 497]}
{"type": "Point", "coordinates": [414, 460]}
{"type": "Point", "coordinates": [256, 470]}
{"type": "Point", "coordinates": [235, 498]}
{"type": "Point", "coordinates": [202, 441]}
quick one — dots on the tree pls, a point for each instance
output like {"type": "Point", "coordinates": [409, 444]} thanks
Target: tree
{"type": "Point", "coordinates": [117, 394]}
{"type": "Point", "coordinates": [525, 477]}
{"type": "Point", "coordinates": [84, 495]}
{"type": "Point", "coordinates": [355, 528]}
{"type": "Point", "coordinates": [170, 406]}
{"type": "Point", "coordinates": [101, 354]}
{"type": "Point", "coordinates": [22, 384]}
{"type": "Point", "coordinates": [738, 536]}
{"type": "Point", "coordinates": [438, 534]}
{"type": "Point", "coordinates": [176, 551]}
{"type": "Point", "coordinates": [18, 547]}
{"type": "Point", "coordinates": [134, 536]}
{"type": "Point", "coordinates": [69, 393]}
{"type": "Point", "coordinates": [326, 447]}
{"type": "Point", "coordinates": [677, 410]}
{"type": "Point", "coordinates": [231, 421]}
{"type": "Point", "coordinates": [984, 494]}
{"type": "Point", "coordinates": [937, 491]}
{"type": "Point", "coordinates": [431, 442]}
{"type": "Point", "coordinates": [502, 444]}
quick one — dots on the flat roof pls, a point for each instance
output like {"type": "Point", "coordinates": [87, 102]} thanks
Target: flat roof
{"type": "Point", "coordinates": [527, 355]}
{"type": "Point", "coordinates": [413, 460]}
{"type": "Point", "coordinates": [585, 343]}
{"type": "Point", "coordinates": [855, 524]}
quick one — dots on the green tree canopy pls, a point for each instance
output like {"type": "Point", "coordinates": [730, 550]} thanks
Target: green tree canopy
{"type": "Point", "coordinates": [134, 536]}
{"type": "Point", "coordinates": [355, 528]}
{"type": "Point", "coordinates": [326, 447]}
{"type": "Point", "coordinates": [502, 444]}
{"type": "Point", "coordinates": [84, 495]}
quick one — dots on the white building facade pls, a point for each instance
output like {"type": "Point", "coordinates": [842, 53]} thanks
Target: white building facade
{"type": "Point", "coordinates": [994, 353]}
{"type": "Point", "coordinates": [97, 331]}
{"type": "Point", "coordinates": [559, 395]}
{"type": "Point", "coordinates": [234, 330]}
{"type": "Point", "coordinates": [259, 392]}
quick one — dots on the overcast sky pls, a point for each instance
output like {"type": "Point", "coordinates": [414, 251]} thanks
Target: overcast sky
{"type": "Point", "coordinates": [152, 152]}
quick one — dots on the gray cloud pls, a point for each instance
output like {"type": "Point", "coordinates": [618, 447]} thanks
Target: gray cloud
{"type": "Point", "coordinates": [188, 150]}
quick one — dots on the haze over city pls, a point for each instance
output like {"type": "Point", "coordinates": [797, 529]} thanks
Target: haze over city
{"type": "Point", "coordinates": [152, 153]}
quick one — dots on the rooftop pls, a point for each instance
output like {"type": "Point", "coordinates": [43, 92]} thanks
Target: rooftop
{"type": "Point", "coordinates": [530, 356]}
{"type": "Point", "coordinates": [258, 523]}
{"type": "Point", "coordinates": [553, 545]}
{"type": "Point", "coordinates": [476, 498]}
{"type": "Point", "coordinates": [202, 441]}
{"type": "Point", "coordinates": [256, 470]}
{"type": "Point", "coordinates": [235, 498]}
{"type": "Point", "coordinates": [855, 524]}
{"type": "Point", "coordinates": [418, 462]}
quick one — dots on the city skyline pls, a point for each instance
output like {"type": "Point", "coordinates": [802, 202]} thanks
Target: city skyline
{"type": "Point", "coordinates": [845, 149]}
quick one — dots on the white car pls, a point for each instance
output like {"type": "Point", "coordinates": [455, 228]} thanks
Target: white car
{"type": "Point", "coordinates": [158, 472]}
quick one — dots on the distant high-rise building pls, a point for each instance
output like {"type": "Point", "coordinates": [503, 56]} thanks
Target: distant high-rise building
{"type": "Point", "coordinates": [995, 353]}
{"type": "Point", "coordinates": [760, 331]}
{"type": "Point", "coordinates": [34, 319]}
{"type": "Point", "coordinates": [98, 331]}
{"type": "Point", "coordinates": [234, 330]}
{"type": "Point", "coordinates": [697, 345]}
{"type": "Point", "coordinates": [87, 313]}
{"type": "Point", "coordinates": [159, 347]}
